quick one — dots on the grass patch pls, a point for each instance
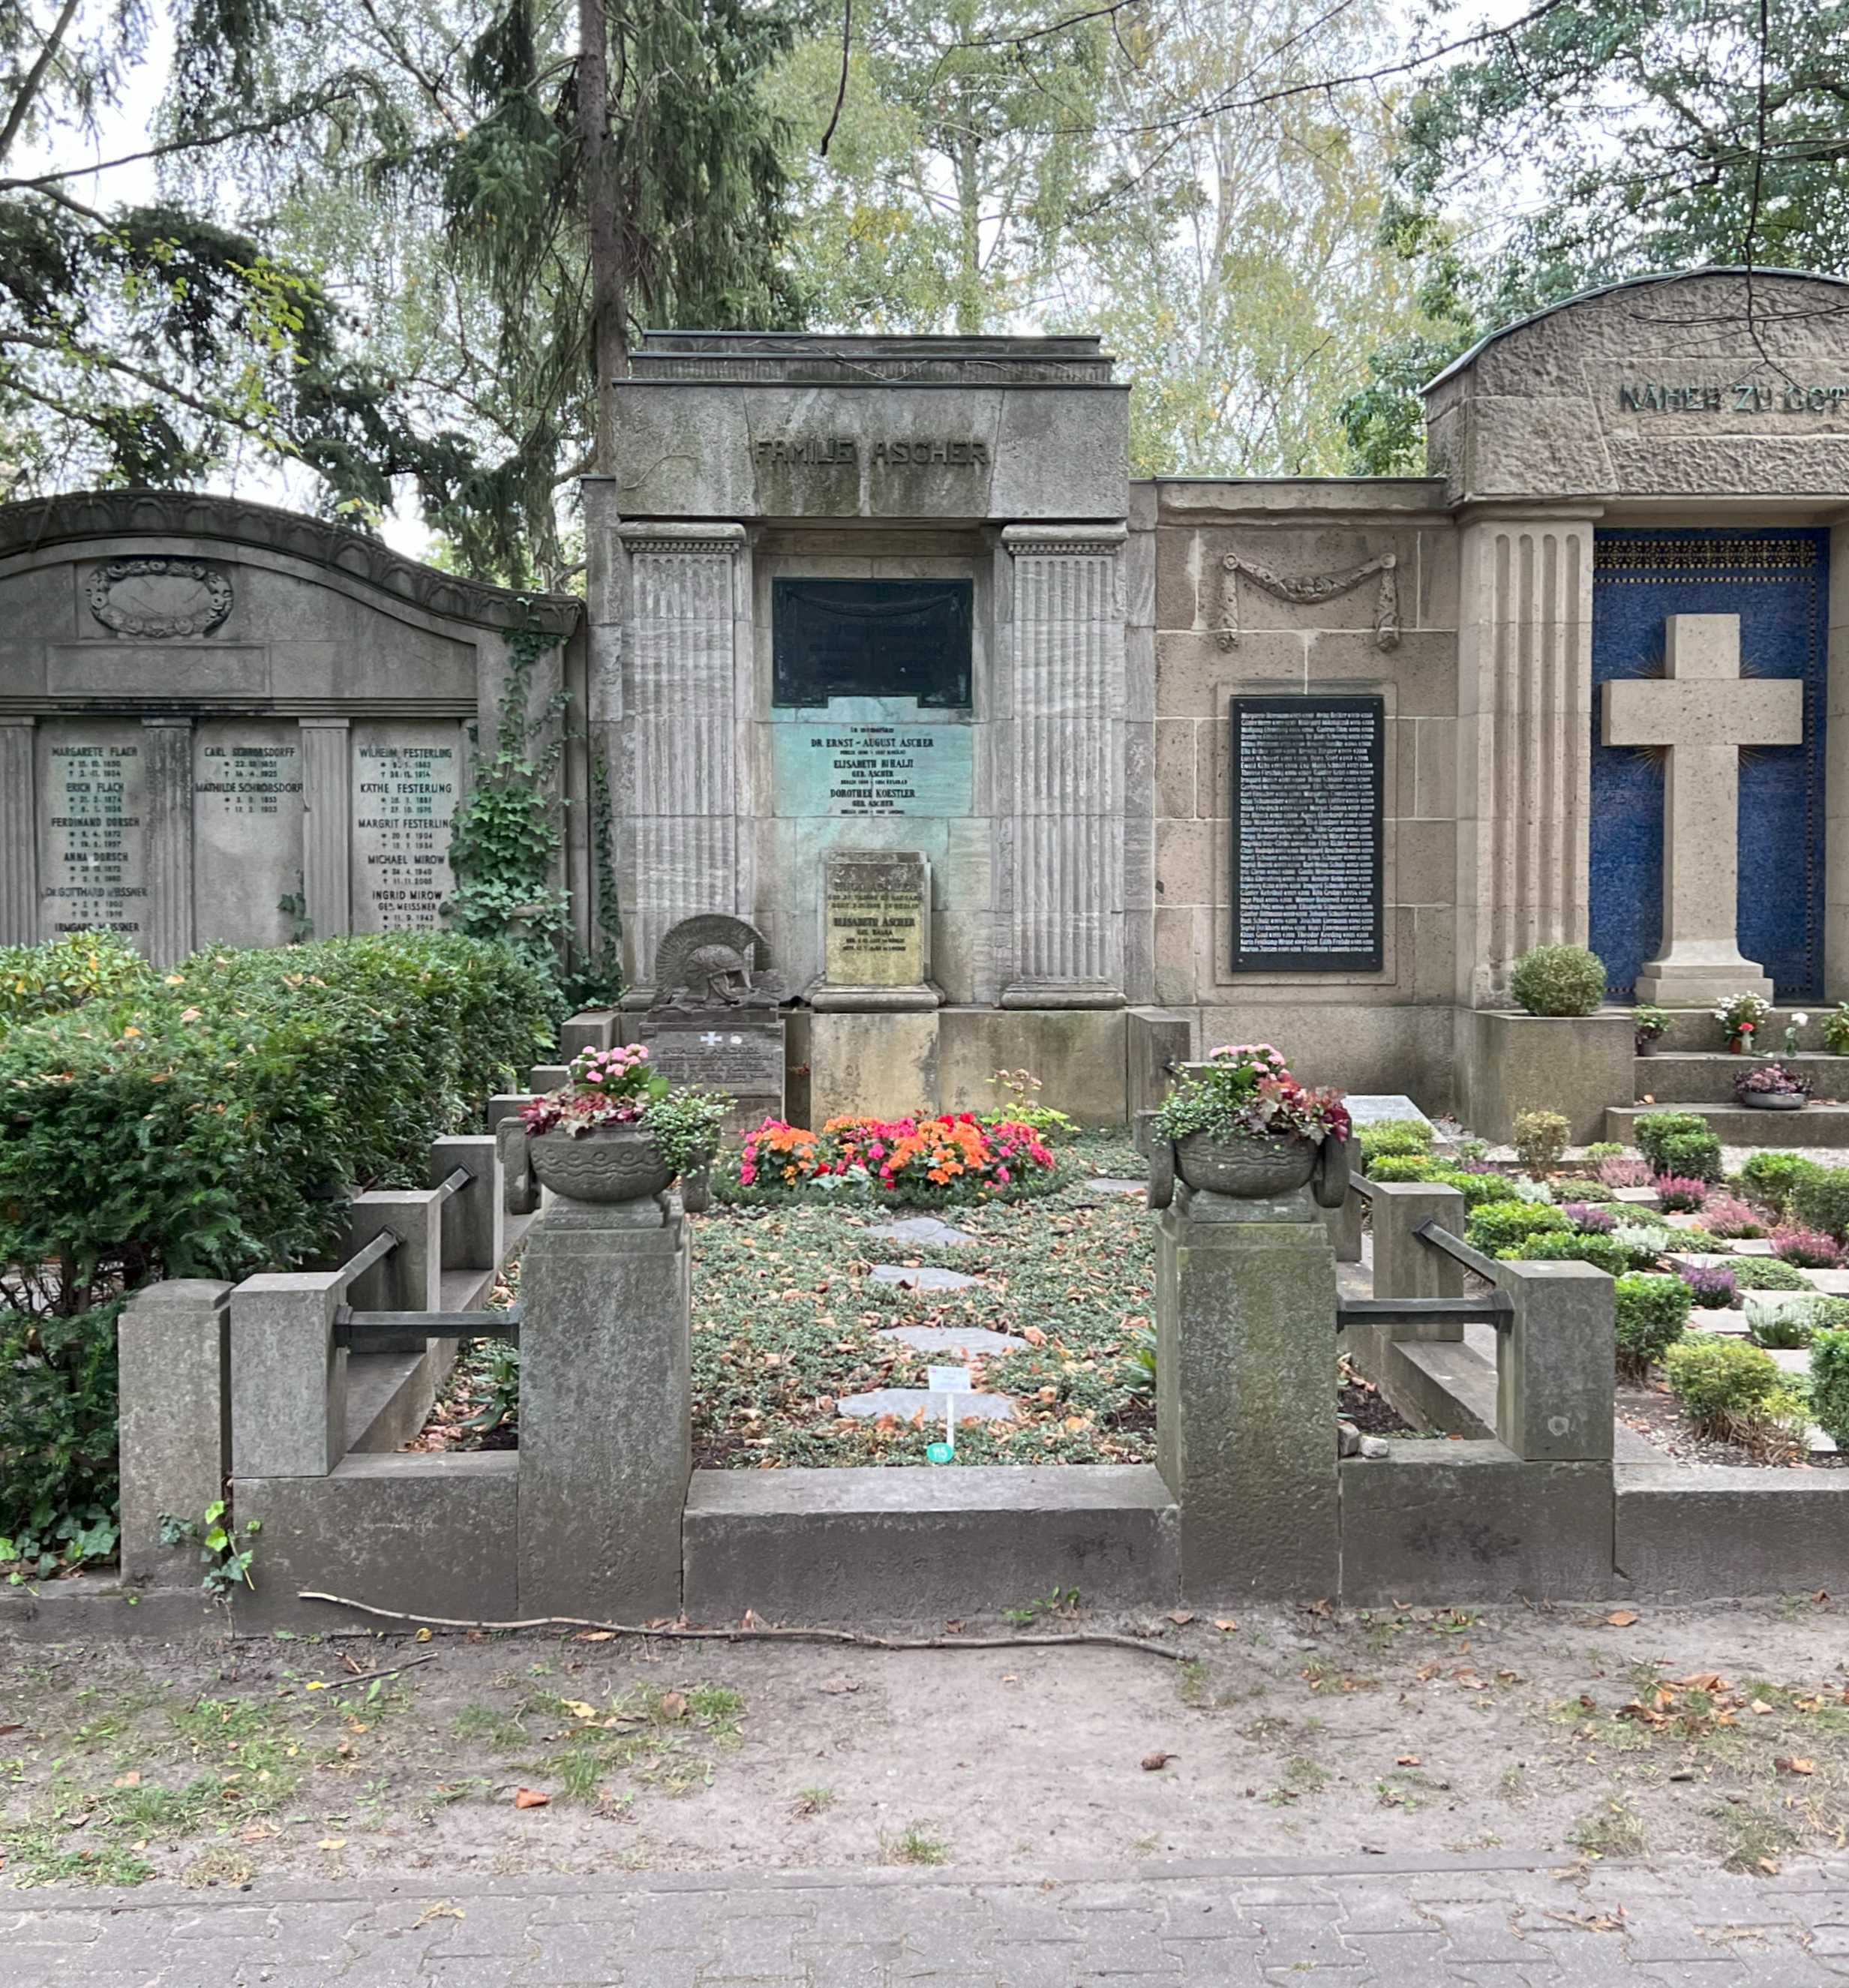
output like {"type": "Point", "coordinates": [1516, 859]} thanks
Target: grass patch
{"type": "Point", "coordinates": [913, 1845]}
{"type": "Point", "coordinates": [1613, 1829]}
{"type": "Point", "coordinates": [1753, 1838]}
{"type": "Point", "coordinates": [814, 1801]}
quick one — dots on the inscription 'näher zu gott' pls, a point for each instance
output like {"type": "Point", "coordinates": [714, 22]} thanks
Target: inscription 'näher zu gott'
{"type": "Point", "coordinates": [1738, 396]}
{"type": "Point", "coordinates": [829, 451]}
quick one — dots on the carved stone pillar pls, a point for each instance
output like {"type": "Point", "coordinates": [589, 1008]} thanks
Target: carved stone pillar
{"type": "Point", "coordinates": [1060, 770]}
{"type": "Point", "coordinates": [327, 817]}
{"type": "Point", "coordinates": [170, 839]}
{"type": "Point", "coordinates": [18, 834]}
{"type": "Point", "coordinates": [1524, 743]}
{"type": "Point", "coordinates": [684, 691]}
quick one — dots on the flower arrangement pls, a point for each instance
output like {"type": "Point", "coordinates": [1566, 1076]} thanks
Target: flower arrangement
{"type": "Point", "coordinates": [954, 1155]}
{"type": "Point", "coordinates": [1647, 1024]}
{"type": "Point", "coordinates": [1769, 1080]}
{"type": "Point", "coordinates": [1798, 1021]}
{"type": "Point", "coordinates": [1675, 1195]}
{"type": "Point", "coordinates": [1247, 1093]}
{"type": "Point", "coordinates": [615, 1087]}
{"type": "Point", "coordinates": [1739, 1015]}
{"type": "Point", "coordinates": [1807, 1249]}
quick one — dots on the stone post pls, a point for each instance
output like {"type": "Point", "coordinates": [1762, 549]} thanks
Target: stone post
{"type": "Point", "coordinates": [170, 839]}
{"type": "Point", "coordinates": [1404, 1267]}
{"type": "Point", "coordinates": [677, 778]}
{"type": "Point", "coordinates": [1061, 763]}
{"type": "Point", "coordinates": [327, 820]}
{"type": "Point", "coordinates": [507, 1104]}
{"type": "Point", "coordinates": [594, 1029]}
{"type": "Point", "coordinates": [409, 1278]}
{"type": "Point", "coordinates": [472, 1221]}
{"type": "Point", "coordinates": [19, 833]}
{"type": "Point", "coordinates": [288, 1379]}
{"type": "Point", "coordinates": [606, 1390]}
{"type": "Point", "coordinates": [1344, 1223]}
{"type": "Point", "coordinates": [1245, 1395]}
{"type": "Point", "coordinates": [173, 1374]}
{"type": "Point", "coordinates": [519, 1190]}
{"type": "Point", "coordinates": [1554, 1376]}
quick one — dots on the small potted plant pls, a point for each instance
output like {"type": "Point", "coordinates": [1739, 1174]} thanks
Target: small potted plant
{"type": "Point", "coordinates": [1740, 1016]}
{"type": "Point", "coordinates": [614, 1132]}
{"type": "Point", "coordinates": [1246, 1128]}
{"type": "Point", "coordinates": [1836, 1030]}
{"type": "Point", "coordinates": [1798, 1022]}
{"type": "Point", "coordinates": [1648, 1023]}
{"type": "Point", "coordinates": [1772, 1087]}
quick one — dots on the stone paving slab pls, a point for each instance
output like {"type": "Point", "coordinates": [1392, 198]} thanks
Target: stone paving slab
{"type": "Point", "coordinates": [921, 1277]}
{"type": "Point", "coordinates": [920, 1228]}
{"type": "Point", "coordinates": [1109, 1184]}
{"type": "Point", "coordinates": [972, 1340]}
{"type": "Point", "coordinates": [1378, 1922]}
{"type": "Point", "coordinates": [904, 1402]}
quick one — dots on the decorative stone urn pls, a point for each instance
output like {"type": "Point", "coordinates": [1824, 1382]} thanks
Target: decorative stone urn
{"type": "Point", "coordinates": [1264, 1166]}
{"type": "Point", "coordinates": [609, 1163]}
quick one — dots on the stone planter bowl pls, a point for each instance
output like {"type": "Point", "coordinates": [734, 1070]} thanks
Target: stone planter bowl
{"type": "Point", "coordinates": [1250, 1169]}
{"type": "Point", "coordinates": [1772, 1101]}
{"type": "Point", "coordinates": [613, 1163]}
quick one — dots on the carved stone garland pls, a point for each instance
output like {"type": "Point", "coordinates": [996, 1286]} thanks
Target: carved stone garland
{"type": "Point", "coordinates": [189, 598]}
{"type": "Point", "coordinates": [1308, 592]}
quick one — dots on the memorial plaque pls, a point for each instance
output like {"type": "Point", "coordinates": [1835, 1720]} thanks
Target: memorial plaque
{"type": "Point", "coordinates": [93, 829]}
{"type": "Point", "coordinates": [406, 780]}
{"type": "Point", "coordinates": [739, 1050]}
{"type": "Point", "coordinates": [247, 830]}
{"type": "Point", "coordinates": [876, 909]}
{"type": "Point", "coordinates": [872, 638]}
{"type": "Point", "coordinates": [1308, 809]}
{"type": "Point", "coordinates": [873, 769]}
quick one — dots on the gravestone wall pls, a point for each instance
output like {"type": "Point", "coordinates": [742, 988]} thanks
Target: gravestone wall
{"type": "Point", "coordinates": [225, 723]}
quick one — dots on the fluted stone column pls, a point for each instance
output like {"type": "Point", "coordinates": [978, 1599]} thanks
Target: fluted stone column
{"type": "Point", "coordinates": [1061, 770]}
{"type": "Point", "coordinates": [1524, 743]}
{"type": "Point", "coordinates": [327, 815]}
{"type": "Point", "coordinates": [18, 834]}
{"type": "Point", "coordinates": [170, 839]}
{"type": "Point", "coordinates": [684, 691]}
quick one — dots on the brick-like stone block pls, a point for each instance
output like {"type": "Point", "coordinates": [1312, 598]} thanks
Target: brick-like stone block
{"type": "Point", "coordinates": [288, 1379]}
{"type": "Point", "coordinates": [1555, 1371]}
{"type": "Point", "coordinates": [473, 1220]}
{"type": "Point", "coordinates": [1694, 1532]}
{"type": "Point", "coordinates": [172, 1353]}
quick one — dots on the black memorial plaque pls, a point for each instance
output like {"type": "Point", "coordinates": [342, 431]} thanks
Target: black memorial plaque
{"type": "Point", "coordinates": [738, 1051]}
{"type": "Point", "coordinates": [871, 638]}
{"type": "Point", "coordinates": [1309, 839]}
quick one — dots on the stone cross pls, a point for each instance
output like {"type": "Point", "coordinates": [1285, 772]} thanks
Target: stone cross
{"type": "Point", "coordinates": [1704, 711]}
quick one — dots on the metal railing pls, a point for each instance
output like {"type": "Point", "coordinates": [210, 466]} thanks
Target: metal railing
{"type": "Point", "coordinates": [1493, 1307]}
{"type": "Point", "coordinates": [360, 1331]}
{"type": "Point", "coordinates": [368, 1254]}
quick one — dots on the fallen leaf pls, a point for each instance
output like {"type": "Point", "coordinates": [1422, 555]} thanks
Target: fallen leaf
{"type": "Point", "coordinates": [424, 1636]}
{"type": "Point", "coordinates": [1180, 1618]}
{"type": "Point", "coordinates": [595, 1636]}
{"type": "Point", "coordinates": [1408, 1761]}
{"type": "Point", "coordinates": [836, 1686]}
{"type": "Point", "coordinates": [128, 1780]}
{"type": "Point", "coordinates": [1702, 1681]}
{"type": "Point", "coordinates": [530, 1798]}
{"type": "Point", "coordinates": [331, 1843]}
{"type": "Point", "coordinates": [1621, 1618]}
{"type": "Point", "coordinates": [1789, 1764]}
{"type": "Point", "coordinates": [442, 1909]}
{"type": "Point", "coordinates": [1224, 1624]}
{"type": "Point", "coordinates": [1759, 1705]}
{"type": "Point", "coordinates": [578, 1708]}
{"type": "Point", "coordinates": [1154, 1763]}
{"type": "Point", "coordinates": [674, 1705]}
{"type": "Point", "coordinates": [13, 1726]}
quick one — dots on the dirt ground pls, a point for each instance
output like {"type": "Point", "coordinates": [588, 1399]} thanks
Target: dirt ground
{"type": "Point", "coordinates": [1722, 1734]}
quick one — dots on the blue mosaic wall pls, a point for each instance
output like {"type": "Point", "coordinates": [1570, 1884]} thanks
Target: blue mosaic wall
{"type": "Point", "coordinates": [1777, 582]}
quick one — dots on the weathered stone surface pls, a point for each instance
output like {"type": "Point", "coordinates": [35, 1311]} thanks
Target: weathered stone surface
{"type": "Point", "coordinates": [431, 1535]}
{"type": "Point", "coordinates": [1104, 1184]}
{"type": "Point", "coordinates": [875, 930]}
{"type": "Point", "coordinates": [288, 1379]}
{"type": "Point", "coordinates": [1078, 1053]}
{"type": "Point", "coordinates": [174, 1378]}
{"type": "Point", "coordinates": [919, 1228]}
{"type": "Point", "coordinates": [975, 1341]}
{"type": "Point", "coordinates": [923, 1276]}
{"type": "Point", "coordinates": [821, 1546]}
{"type": "Point", "coordinates": [606, 1402]}
{"type": "Point", "coordinates": [880, 1066]}
{"type": "Point", "coordinates": [1405, 1266]}
{"type": "Point", "coordinates": [1693, 1532]}
{"type": "Point", "coordinates": [1469, 1522]}
{"type": "Point", "coordinates": [1246, 1399]}
{"type": "Point", "coordinates": [1578, 1066]}
{"type": "Point", "coordinates": [1554, 1374]}
{"type": "Point", "coordinates": [409, 1278]}
{"type": "Point", "coordinates": [1154, 1039]}
{"type": "Point", "coordinates": [472, 1221]}
{"type": "Point", "coordinates": [1740, 1125]}
{"type": "Point", "coordinates": [905, 1402]}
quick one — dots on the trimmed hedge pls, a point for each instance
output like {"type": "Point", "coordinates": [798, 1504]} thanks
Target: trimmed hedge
{"type": "Point", "coordinates": [1649, 1315]}
{"type": "Point", "coordinates": [206, 1125]}
{"type": "Point", "coordinates": [37, 980]}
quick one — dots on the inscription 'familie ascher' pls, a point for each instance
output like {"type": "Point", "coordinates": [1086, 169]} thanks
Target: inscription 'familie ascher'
{"type": "Point", "coordinates": [824, 452]}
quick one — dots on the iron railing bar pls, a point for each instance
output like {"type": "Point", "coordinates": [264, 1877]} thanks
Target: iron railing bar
{"type": "Point", "coordinates": [1362, 1185]}
{"type": "Point", "coordinates": [455, 1182]}
{"type": "Point", "coordinates": [438, 1321]}
{"type": "Point", "coordinates": [1455, 1248]}
{"type": "Point", "coordinates": [368, 1254]}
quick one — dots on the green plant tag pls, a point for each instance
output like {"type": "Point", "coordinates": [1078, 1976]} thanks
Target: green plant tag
{"type": "Point", "coordinates": [940, 1453]}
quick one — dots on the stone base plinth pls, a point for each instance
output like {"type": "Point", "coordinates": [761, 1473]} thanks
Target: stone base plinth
{"type": "Point", "coordinates": [1509, 1063]}
{"type": "Point", "coordinates": [1674, 981]}
{"type": "Point", "coordinates": [876, 1000]}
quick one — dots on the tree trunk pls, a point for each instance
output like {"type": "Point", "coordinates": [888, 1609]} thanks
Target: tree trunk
{"type": "Point", "coordinates": [609, 285]}
{"type": "Point", "coordinates": [970, 312]}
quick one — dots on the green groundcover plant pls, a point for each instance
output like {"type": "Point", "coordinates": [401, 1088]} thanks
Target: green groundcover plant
{"type": "Point", "coordinates": [203, 1123]}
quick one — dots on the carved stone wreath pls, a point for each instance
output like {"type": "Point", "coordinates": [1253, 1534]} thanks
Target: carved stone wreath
{"type": "Point", "coordinates": [157, 599]}
{"type": "Point", "coordinates": [1308, 592]}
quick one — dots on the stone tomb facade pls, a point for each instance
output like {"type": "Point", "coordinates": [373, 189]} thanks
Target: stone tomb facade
{"type": "Point", "coordinates": [223, 724]}
{"type": "Point", "coordinates": [1308, 760]}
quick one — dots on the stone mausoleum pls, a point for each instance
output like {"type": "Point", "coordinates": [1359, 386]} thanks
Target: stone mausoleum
{"type": "Point", "coordinates": [1014, 760]}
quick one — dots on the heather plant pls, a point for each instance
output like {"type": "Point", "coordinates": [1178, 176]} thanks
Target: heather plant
{"type": "Point", "coordinates": [1643, 1242]}
{"type": "Point", "coordinates": [1779, 1327]}
{"type": "Point", "coordinates": [1622, 1169]}
{"type": "Point", "coordinates": [1710, 1286]}
{"type": "Point", "coordinates": [1807, 1249]}
{"type": "Point", "coordinates": [1675, 1195]}
{"type": "Point", "coordinates": [1589, 1221]}
{"type": "Point", "coordinates": [1726, 1214]}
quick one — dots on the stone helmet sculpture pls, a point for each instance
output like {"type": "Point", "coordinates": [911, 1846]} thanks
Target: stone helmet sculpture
{"type": "Point", "coordinates": [714, 960]}
{"type": "Point", "coordinates": [718, 971]}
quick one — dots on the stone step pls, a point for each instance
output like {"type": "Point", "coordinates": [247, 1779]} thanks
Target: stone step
{"type": "Point", "coordinates": [1739, 1125]}
{"type": "Point", "coordinates": [1708, 1077]}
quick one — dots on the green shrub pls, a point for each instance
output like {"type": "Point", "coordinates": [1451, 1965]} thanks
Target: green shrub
{"type": "Point", "coordinates": [1820, 1199]}
{"type": "Point", "coordinates": [52, 978]}
{"type": "Point", "coordinates": [1402, 1167]}
{"type": "Point", "coordinates": [1477, 1189]}
{"type": "Point", "coordinates": [1575, 1246]}
{"type": "Point", "coordinates": [1540, 1138]}
{"type": "Point", "coordinates": [1766, 1273]}
{"type": "Point", "coordinates": [1577, 1189]}
{"type": "Point", "coordinates": [1723, 1383]}
{"type": "Point", "coordinates": [1770, 1178]}
{"type": "Point", "coordinates": [1401, 1138]}
{"type": "Point", "coordinates": [1649, 1314]}
{"type": "Point", "coordinates": [1602, 1149]}
{"type": "Point", "coordinates": [1504, 1224]}
{"type": "Point", "coordinates": [1680, 1143]}
{"type": "Point", "coordinates": [1652, 1128]}
{"type": "Point", "coordinates": [194, 1129]}
{"type": "Point", "coordinates": [1558, 980]}
{"type": "Point", "coordinates": [1829, 1384]}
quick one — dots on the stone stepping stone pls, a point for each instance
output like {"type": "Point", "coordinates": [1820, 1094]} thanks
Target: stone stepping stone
{"type": "Point", "coordinates": [1638, 1197]}
{"type": "Point", "coordinates": [1109, 1184]}
{"type": "Point", "coordinates": [905, 1402]}
{"type": "Point", "coordinates": [976, 1340]}
{"type": "Point", "coordinates": [1696, 1259]}
{"type": "Point", "coordinates": [1832, 1283]}
{"type": "Point", "coordinates": [921, 1229]}
{"type": "Point", "coordinates": [1752, 1245]}
{"type": "Point", "coordinates": [922, 1277]}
